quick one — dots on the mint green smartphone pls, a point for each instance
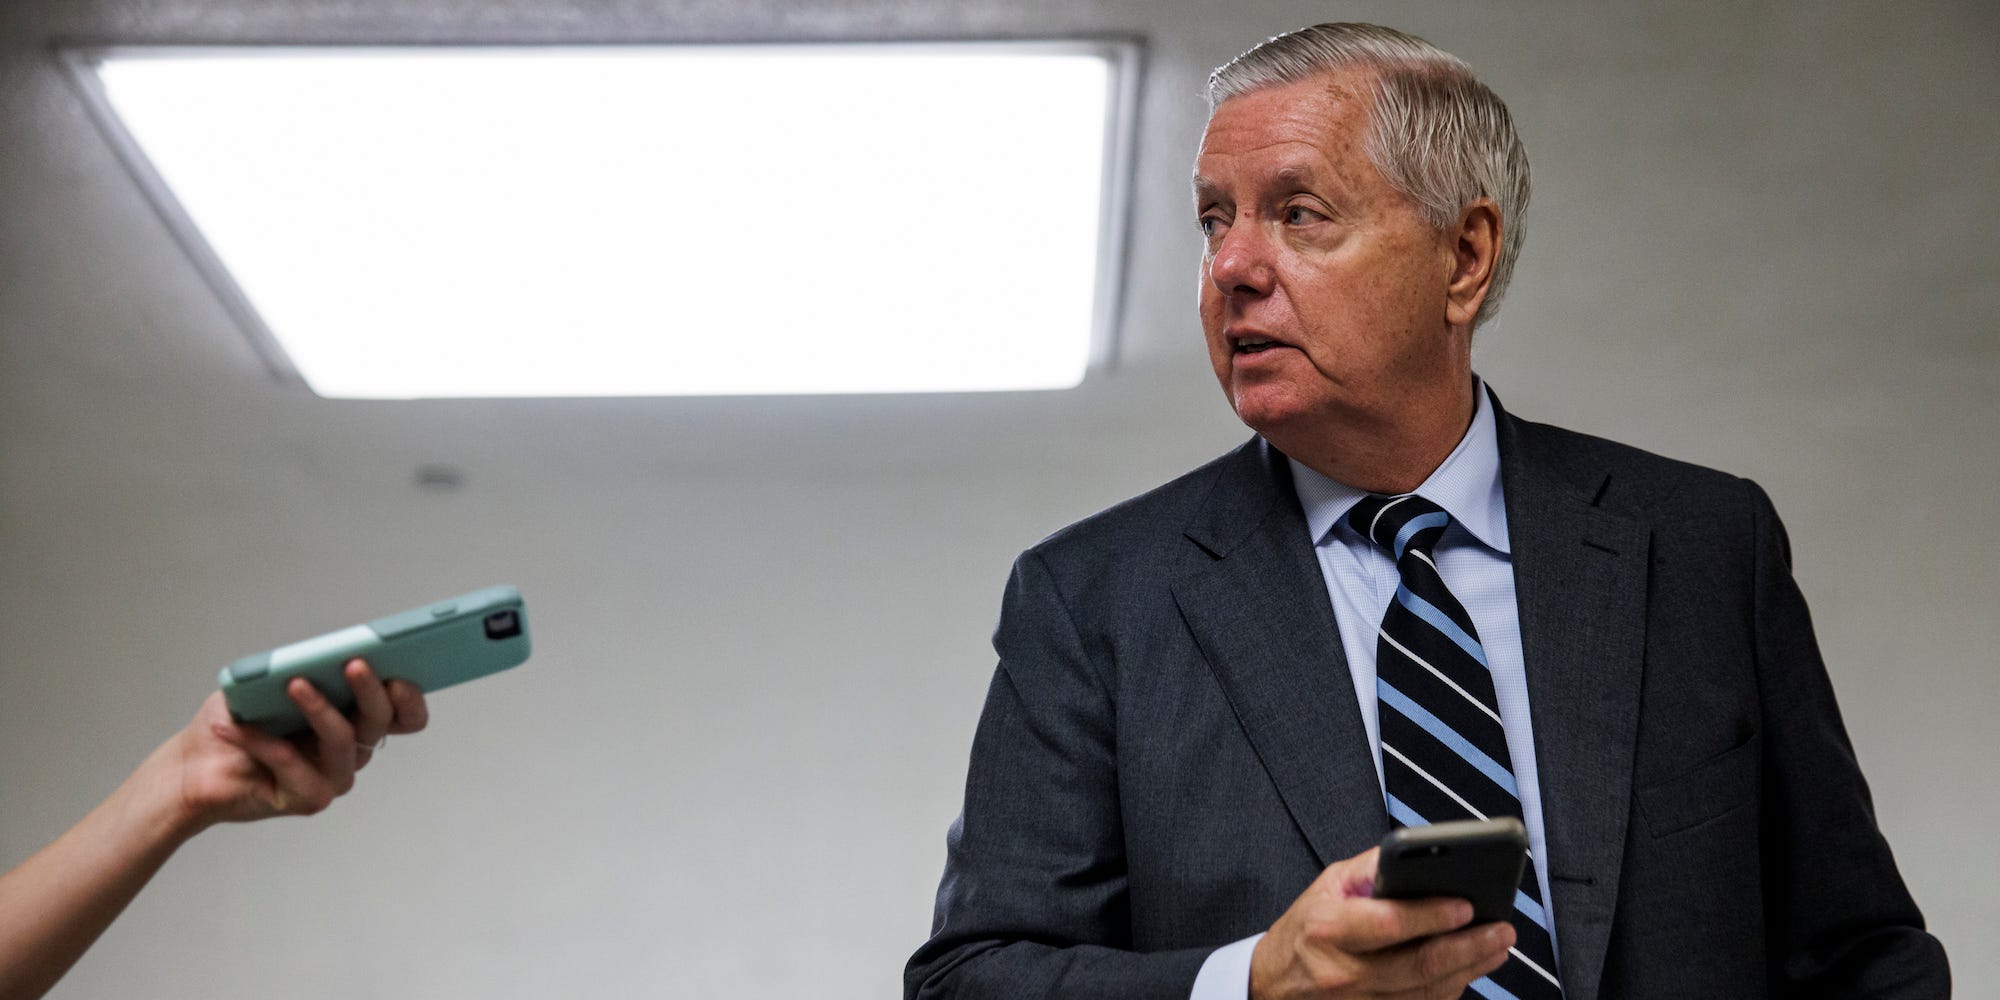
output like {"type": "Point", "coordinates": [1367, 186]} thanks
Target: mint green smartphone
{"type": "Point", "coordinates": [433, 647]}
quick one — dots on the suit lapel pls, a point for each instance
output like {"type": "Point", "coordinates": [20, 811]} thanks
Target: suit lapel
{"type": "Point", "coordinates": [1580, 587]}
{"type": "Point", "coordinates": [1259, 612]}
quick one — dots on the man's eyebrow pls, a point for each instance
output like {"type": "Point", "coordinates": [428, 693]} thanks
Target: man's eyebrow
{"type": "Point", "coordinates": [1296, 176]}
{"type": "Point", "coordinates": [1292, 178]}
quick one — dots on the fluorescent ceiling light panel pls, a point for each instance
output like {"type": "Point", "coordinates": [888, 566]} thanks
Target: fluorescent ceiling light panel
{"type": "Point", "coordinates": [636, 220]}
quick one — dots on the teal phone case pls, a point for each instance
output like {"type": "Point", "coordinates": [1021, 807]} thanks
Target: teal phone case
{"type": "Point", "coordinates": [435, 646]}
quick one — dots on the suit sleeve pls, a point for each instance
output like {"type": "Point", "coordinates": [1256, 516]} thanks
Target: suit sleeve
{"type": "Point", "coordinates": [1033, 902]}
{"type": "Point", "coordinates": [1841, 921]}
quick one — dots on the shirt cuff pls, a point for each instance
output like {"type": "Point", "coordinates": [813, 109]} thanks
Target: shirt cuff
{"type": "Point", "coordinates": [1226, 973]}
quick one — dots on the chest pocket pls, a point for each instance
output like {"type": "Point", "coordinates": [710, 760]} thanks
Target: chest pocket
{"type": "Point", "coordinates": [1711, 788]}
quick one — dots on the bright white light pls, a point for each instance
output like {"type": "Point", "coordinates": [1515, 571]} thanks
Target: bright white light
{"type": "Point", "coordinates": [644, 221]}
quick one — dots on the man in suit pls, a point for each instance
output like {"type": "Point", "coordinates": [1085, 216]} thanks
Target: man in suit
{"type": "Point", "coordinates": [1208, 705]}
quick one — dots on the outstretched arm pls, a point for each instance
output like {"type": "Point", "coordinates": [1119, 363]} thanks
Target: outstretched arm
{"type": "Point", "coordinates": [58, 901]}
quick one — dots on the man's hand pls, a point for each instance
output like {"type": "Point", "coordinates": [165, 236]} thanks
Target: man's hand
{"type": "Point", "coordinates": [232, 773]}
{"type": "Point", "coordinates": [1338, 941]}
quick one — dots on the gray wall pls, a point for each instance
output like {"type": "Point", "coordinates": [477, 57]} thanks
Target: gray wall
{"type": "Point", "coordinates": [1761, 239]}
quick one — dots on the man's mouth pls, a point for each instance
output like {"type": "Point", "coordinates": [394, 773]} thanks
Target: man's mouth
{"type": "Point", "coordinates": [1255, 345]}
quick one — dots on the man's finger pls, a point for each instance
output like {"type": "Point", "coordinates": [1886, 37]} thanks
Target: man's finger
{"type": "Point", "coordinates": [1460, 956]}
{"type": "Point", "coordinates": [1349, 878]}
{"type": "Point", "coordinates": [1369, 925]}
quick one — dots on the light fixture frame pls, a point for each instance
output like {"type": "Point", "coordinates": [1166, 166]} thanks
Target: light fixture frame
{"type": "Point", "coordinates": [1123, 55]}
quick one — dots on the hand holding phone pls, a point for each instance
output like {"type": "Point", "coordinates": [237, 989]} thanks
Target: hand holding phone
{"type": "Point", "coordinates": [1337, 937]}
{"type": "Point", "coordinates": [432, 647]}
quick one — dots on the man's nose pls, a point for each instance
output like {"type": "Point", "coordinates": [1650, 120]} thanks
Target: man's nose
{"type": "Point", "coordinates": [1242, 263]}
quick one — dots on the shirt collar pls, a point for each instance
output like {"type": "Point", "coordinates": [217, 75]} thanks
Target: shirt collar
{"type": "Point", "coordinates": [1466, 485]}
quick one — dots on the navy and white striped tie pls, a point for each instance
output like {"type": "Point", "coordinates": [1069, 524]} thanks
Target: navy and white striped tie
{"type": "Point", "coordinates": [1444, 749]}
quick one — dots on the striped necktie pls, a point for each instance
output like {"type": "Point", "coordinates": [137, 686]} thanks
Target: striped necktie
{"type": "Point", "coordinates": [1444, 749]}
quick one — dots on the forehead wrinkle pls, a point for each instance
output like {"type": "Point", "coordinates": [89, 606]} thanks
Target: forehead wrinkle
{"type": "Point", "coordinates": [1295, 168]}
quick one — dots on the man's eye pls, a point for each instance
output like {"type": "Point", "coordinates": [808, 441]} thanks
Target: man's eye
{"type": "Point", "coordinates": [1207, 224]}
{"type": "Point", "coordinates": [1299, 215]}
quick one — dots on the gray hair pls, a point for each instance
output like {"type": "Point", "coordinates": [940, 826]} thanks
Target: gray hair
{"type": "Point", "coordinates": [1436, 133]}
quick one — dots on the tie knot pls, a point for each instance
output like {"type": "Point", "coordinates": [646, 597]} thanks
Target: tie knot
{"type": "Point", "coordinates": [1399, 523]}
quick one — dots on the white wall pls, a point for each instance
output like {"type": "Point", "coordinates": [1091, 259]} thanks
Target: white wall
{"type": "Point", "coordinates": [1761, 239]}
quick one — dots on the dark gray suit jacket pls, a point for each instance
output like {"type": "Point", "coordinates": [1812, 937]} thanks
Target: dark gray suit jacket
{"type": "Point", "coordinates": [1171, 749]}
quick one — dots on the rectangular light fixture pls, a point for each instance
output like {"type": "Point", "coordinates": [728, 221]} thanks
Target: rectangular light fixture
{"type": "Point", "coordinates": [403, 222]}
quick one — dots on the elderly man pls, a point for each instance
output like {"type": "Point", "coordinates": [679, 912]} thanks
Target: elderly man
{"type": "Point", "coordinates": [1399, 604]}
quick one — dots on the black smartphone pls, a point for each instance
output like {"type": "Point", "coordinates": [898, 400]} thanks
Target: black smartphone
{"type": "Point", "coordinates": [1479, 860]}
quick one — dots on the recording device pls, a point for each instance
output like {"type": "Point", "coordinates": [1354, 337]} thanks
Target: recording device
{"type": "Point", "coordinates": [1475, 860]}
{"type": "Point", "coordinates": [434, 646]}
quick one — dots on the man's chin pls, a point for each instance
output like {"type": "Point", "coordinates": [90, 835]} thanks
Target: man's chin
{"type": "Point", "coordinates": [1272, 415]}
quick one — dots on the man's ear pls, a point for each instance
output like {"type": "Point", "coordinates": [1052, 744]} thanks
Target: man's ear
{"type": "Point", "coordinates": [1475, 248]}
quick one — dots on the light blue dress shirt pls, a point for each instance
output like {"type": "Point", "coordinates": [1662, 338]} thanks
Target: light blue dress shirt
{"type": "Point", "coordinates": [1476, 562]}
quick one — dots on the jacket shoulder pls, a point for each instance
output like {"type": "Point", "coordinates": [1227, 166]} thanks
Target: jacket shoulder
{"type": "Point", "coordinates": [1148, 528]}
{"type": "Point", "coordinates": [1622, 477]}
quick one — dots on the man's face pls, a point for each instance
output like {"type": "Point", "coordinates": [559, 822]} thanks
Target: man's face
{"type": "Point", "coordinates": [1323, 290]}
